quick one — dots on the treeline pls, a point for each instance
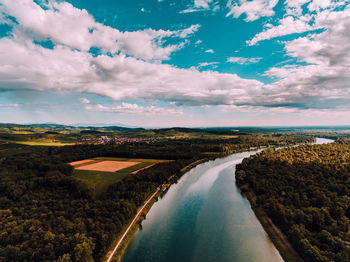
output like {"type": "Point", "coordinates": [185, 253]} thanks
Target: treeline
{"type": "Point", "coordinates": [305, 190]}
{"type": "Point", "coordinates": [47, 215]}
{"type": "Point", "coordinates": [177, 148]}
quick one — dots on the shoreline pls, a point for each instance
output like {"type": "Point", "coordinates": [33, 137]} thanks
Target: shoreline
{"type": "Point", "coordinates": [127, 236]}
{"type": "Point", "coordinates": [132, 224]}
{"type": "Point", "coordinates": [279, 240]}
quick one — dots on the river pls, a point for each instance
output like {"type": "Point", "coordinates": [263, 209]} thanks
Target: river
{"type": "Point", "coordinates": [204, 218]}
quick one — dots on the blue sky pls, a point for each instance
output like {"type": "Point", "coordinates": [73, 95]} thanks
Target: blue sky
{"type": "Point", "coordinates": [175, 63]}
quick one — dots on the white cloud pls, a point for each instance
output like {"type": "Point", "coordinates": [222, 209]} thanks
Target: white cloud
{"type": "Point", "coordinates": [319, 4]}
{"type": "Point", "coordinates": [198, 5]}
{"type": "Point", "coordinates": [244, 60]}
{"type": "Point", "coordinates": [84, 100]}
{"type": "Point", "coordinates": [202, 3]}
{"type": "Point", "coordinates": [188, 31]}
{"type": "Point", "coordinates": [206, 64]}
{"type": "Point", "coordinates": [9, 105]}
{"type": "Point", "coordinates": [211, 51]}
{"type": "Point", "coordinates": [128, 75]}
{"type": "Point", "coordinates": [295, 22]}
{"type": "Point", "coordinates": [190, 10]}
{"type": "Point", "coordinates": [288, 25]}
{"type": "Point", "coordinates": [253, 9]}
{"type": "Point", "coordinates": [324, 81]}
{"type": "Point", "coordinates": [294, 7]}
{"type": "Point", "coordinates": [75, 28]}
{"type": "Point", "coordinates": [26, 65]}
{"type": "Point", "coordinates": [126, 108]}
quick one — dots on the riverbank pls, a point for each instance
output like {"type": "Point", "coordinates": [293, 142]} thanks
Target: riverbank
{"type": "Point", "coordinates": [280, 241]}
{"type": "Point", "coordinates": [133, 230]}
{"type": "Point", "coordinates": [121, 243]}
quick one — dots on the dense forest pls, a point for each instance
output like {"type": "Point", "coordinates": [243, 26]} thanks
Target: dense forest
{"type": "Point", "coordinates": [305, 190]}
{"type": "Point", "coordinates": [47, 215]}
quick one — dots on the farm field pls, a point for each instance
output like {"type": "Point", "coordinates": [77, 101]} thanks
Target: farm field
{"type": "Point", "coordinates": [45, 142]}
{"type": "Point", "coordinates": [108, 166]}
{"type": "Point", "coordinates": [98, 173]}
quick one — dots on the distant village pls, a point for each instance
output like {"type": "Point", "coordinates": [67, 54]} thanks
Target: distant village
{"type": "Point", "coordinates": [114, 140]}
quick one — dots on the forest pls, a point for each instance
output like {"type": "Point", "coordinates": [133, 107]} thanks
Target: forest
{"type": "Point", "coordinates": [305, 191]}
{"type": "Point", "coordinates": [48, 215]}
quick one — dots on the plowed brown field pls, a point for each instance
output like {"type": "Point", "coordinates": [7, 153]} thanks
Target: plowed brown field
{"type": "Point", "coordinates": [80, 162]}
{"type": "Point", "coordinates": [108, 166]}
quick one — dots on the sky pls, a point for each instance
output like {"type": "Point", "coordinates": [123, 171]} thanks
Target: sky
{"type": "Point", "coordinates": [158, 63]}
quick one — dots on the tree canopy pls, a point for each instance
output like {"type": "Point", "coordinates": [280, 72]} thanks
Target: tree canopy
{"type": "Point", "coordinates": [306, 192]}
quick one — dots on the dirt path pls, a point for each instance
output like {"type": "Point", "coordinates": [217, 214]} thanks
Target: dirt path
{"type": "Point", "coordinates": [131, 224]}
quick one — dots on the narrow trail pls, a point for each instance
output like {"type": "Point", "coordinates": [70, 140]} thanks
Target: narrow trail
{"type": "Point", "coordinates": [130, 225]}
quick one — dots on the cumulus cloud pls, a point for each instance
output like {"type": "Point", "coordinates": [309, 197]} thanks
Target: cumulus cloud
{"type": "Point", "coordinates": [84, 100]}
{"type": "Point", "coordinates": [211, 51]}
{"type": "Point", "coordinates": [70, 67]}
{"type": "Point", "coordinates": [323, 80]}
{"type": "Point", "coordinates": [126, 108]}
{"type": "Point", "coordinates": [66, 25]}
{"type": "Point", "coordinates": [29, 66]}
{"type": "Point", "coordinates": [252, 9]}
{"type": "Point", "coordinates": [206, 64]}
{"type": "Point", "coordinates": [298, 21]}
{"type": "Point", "coordinates": [188, 31]}
{"type": "Point", "coordinates": [198, 5]}
{"type": "Point", "coordinates": [123, 70]}
{"type": "Point", "coordinates": [243, 60]}
{"type": "Point", "coordinates": [320, 79]}
{"type": "Point", "coordinates": [288, 25]}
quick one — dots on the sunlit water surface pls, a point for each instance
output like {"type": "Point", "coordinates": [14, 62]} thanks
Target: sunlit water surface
{"type": "Point", "coordinates": [204, 218]}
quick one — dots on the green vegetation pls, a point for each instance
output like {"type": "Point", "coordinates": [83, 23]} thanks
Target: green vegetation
{"type": "Point", "coordinates": [57, 135]}
{"type": "Point", "coordinates": [305, 191]}
{"type": "Point", "coordinates": [43, 143]}
{"type": "Point", "coordinates": [98, 181]}
{"type": "Point", "coordinates": [39, 139]}
{"type": "Point", "coordinates": [48, 214]}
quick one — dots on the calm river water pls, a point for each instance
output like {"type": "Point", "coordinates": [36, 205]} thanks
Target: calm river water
{"type": "Point", "coordinates": [204, 218]}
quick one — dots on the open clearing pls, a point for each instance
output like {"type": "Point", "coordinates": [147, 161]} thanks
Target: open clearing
{"type": "Point", "coordinates": [100, 172]}
{"type": "Point", "coordinates": [43, 143]}
{"type": "Point", "coordinates": [76, 163]}
{"type": "Point", "coordinates": [108, 166]}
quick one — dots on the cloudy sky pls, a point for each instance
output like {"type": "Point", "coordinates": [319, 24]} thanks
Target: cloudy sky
{"type": "Point", "coordinates": [175, 62]}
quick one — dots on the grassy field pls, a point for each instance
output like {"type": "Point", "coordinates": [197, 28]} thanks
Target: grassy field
{"type": "Point", "coordinates": [43, 143]}
{"type": "Point", "coordinates": [99, 181]}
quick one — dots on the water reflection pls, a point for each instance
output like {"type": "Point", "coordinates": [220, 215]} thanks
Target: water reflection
{"type": "Point", "coordinates": [204, 218]}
